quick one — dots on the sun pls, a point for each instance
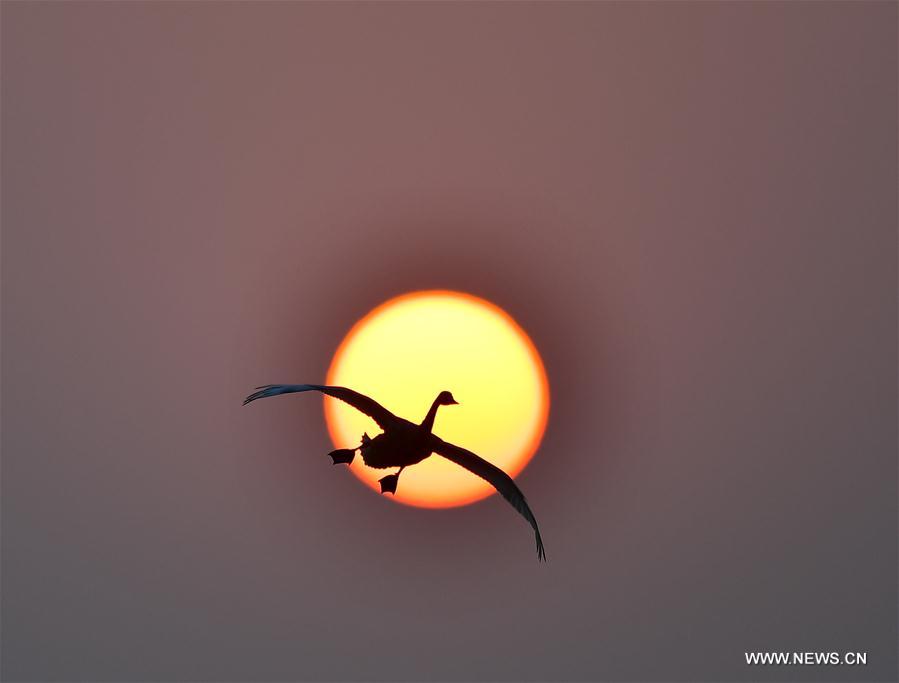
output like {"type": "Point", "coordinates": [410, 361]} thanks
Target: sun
{"type": "Point", "coordinates": [409, 349]}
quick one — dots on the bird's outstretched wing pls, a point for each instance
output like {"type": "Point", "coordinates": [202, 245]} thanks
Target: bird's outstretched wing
{"type": "Point", "coordinates": [501, 481]}
{"type": "Point", "coordinates": [360, 402]}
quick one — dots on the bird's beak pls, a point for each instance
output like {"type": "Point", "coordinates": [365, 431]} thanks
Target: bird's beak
{"type": "Point", "coordinates": [454, 402]}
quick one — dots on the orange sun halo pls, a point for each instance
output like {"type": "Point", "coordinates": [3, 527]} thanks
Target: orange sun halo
{"type": "Point", "coordinates": [409, 349]}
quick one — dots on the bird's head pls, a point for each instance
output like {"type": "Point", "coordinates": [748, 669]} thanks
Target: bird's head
{"type": "Point", "coordinates": [446, 399]}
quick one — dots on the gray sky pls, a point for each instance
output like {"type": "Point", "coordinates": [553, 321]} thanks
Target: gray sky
{"type": "Point", "coordinates": [690, 207]}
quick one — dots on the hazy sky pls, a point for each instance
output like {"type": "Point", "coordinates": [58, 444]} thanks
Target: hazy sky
{"type": "Point", "coordinates": [690, 207]}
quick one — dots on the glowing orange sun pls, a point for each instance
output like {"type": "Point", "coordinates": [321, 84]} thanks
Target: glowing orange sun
{"type": "Point", "coordinates": [409, 349]}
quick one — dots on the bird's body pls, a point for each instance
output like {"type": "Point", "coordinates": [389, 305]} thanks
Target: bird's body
{"type": "Point", "coordinates": [404, 443]}
{"type": "Point", "coordinates": [398, 448]}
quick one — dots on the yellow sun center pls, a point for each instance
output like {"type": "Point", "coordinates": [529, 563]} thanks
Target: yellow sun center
{"type": "Point", "coordinates": [408, 350]}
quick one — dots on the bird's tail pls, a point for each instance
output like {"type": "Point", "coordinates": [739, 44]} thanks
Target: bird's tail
{"type": "Point", "coordinates": [277, 390]}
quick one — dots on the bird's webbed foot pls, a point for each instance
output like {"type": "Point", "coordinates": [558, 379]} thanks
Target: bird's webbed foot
{"type": "Point", "coordinates": [343, 455]}
{"type": "Point", "coordinates": [388, 483]}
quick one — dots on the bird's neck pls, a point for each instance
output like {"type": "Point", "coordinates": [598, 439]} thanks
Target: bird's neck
{"type": "Point", "coordinates": [428, 423]}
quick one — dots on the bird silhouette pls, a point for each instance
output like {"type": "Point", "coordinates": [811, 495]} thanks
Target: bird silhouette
{"type": "Point", "coordinates": [404, 443]}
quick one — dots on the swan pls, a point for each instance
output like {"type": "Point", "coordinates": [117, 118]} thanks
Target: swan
{"type": "Point", "coordinates": [405, 443]}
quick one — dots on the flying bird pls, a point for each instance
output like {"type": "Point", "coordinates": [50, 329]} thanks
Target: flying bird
{"type": "Point", "coordinates": [404, 443]}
